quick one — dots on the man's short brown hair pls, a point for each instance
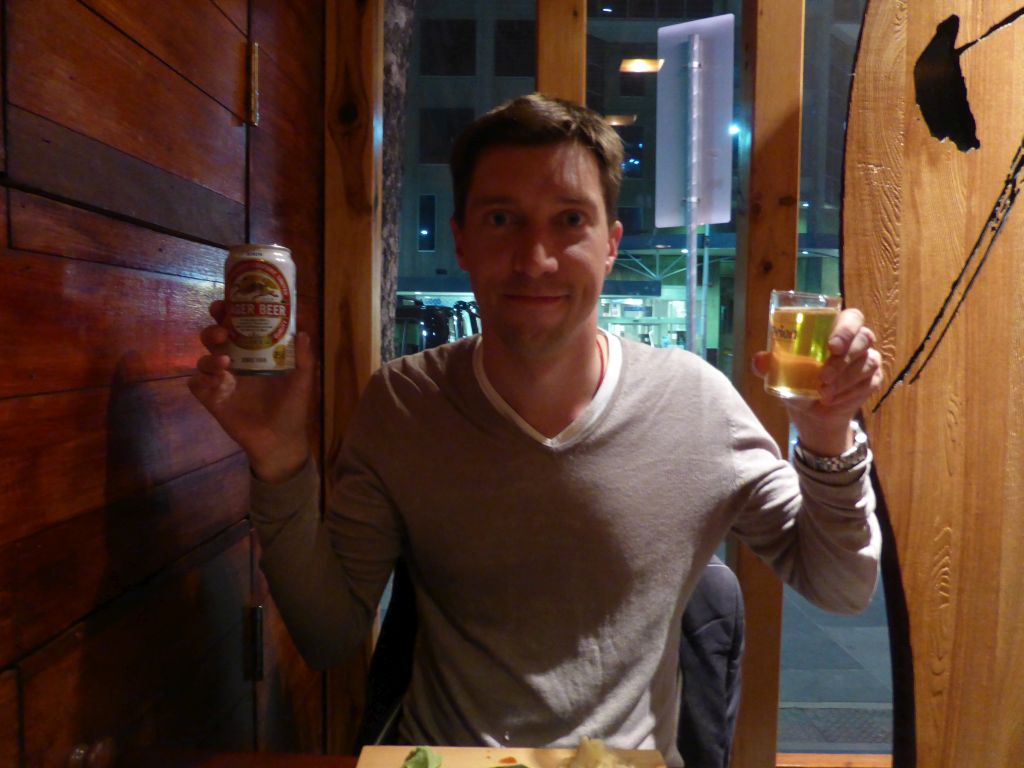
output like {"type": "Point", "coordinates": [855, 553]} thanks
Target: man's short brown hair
{"type": "Point", "coordinates": [538, 120]}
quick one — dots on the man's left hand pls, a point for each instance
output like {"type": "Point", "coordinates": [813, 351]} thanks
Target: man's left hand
{"type": "Point", "coordinates": [851, 375]}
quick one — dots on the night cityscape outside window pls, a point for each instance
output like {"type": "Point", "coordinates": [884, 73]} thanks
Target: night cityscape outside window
{"type": "Point", "coordinates": [448, 47]}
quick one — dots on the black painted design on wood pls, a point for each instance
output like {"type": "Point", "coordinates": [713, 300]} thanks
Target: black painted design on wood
{"type": "Point", "coordinates": [939, 86]}
{"type": "Point", "coordinates": [942, 95]}
{"type": "Point", "coordinates": [941, 92]}
{"type": "Point", "coordinates": [964, 281]}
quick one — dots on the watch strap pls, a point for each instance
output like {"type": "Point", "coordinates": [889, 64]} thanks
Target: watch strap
{"type": "Point", "coordinates": [844, 462]}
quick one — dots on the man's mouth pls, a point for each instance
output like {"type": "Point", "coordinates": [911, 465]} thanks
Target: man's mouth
{"type": "Point", "coordinates": [534, 298]}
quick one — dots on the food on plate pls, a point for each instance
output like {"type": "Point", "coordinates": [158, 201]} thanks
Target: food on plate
{"type": "Point", "coordinates": [592, 753]}
{"type": "Point", "coordinates": [422, 757]}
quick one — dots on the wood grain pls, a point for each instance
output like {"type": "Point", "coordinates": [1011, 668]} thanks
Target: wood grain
{"type": "Point", "coordinates": [786, 760]}
{"type": "Point", "coordinates": [65, 59]}
{"type": "Point", "coordinates": [286, 153]}
{"type": "Point", "coordinates": [562, 49]}
{"type": "Point", "coordinates": [766, 243]}
{"type": "Point", "coordinates": [194, 39]}
{"type": "Point", "coordinates": [162, 666]}
{"type": "Point", "coordinates": [71, 453]}
{"type": "Point", "coordinates": [237, 11]}
{"type": "Point", "coordinates": [948, 446]}
{"type": "Point", "coordinates": [352, 162]}
{"type": "Point", "coordinates": [8, 590]}
{"type": "Point", "coordinates": [10, 748]}
{"type": "Point", "coordinates": [3, 99]}
{"type": "Point", "coordinates": [66, 571]}
{"type": "Point", "coordinates": [290, 34]}
{"type": "Point", "coordinates": [289, 698]}
{"type": "Point", "coordinates": [47, 226]}
{"type": "Point", "coordinates": [93, 323]}
{"type": "Point", "coordinates": [45, 156]}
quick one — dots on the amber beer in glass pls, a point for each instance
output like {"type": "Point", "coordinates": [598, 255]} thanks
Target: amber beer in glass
{"type": "Point", "coordinates": [799, 328]}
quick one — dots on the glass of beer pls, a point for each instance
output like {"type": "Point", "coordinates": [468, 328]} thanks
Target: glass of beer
{"type": "Point", "coordinates": [799, 327]}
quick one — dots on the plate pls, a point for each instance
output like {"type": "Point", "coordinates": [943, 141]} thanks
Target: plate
{"type": "Point", "coordinates": [496, 757]}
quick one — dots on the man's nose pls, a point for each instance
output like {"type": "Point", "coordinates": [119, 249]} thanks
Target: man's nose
{"type": "Point", "coordinates": [535, 254]}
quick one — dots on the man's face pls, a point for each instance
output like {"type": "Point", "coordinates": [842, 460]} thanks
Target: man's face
{"type": "Point", "coordinates": [537, 245]}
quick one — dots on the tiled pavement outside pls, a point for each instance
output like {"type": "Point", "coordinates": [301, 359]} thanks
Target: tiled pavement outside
{"type": "Point", "coordinates": [836, 688]}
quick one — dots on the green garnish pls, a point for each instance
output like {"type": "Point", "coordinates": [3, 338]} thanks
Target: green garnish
{"type": "Point", "coordinates": [422, 757]}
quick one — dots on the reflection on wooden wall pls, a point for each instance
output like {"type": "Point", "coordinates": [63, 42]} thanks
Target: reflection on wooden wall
{"type": "Point", "coordinates": [949, 443]}
{"type": "Point", "coordinates": [127, 567]}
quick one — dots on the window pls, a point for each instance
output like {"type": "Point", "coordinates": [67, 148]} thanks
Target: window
{"type": "Point", "coordinates": [438, 129]}
{"type": "Point", "coordinates": [427, 223]}
{"type": "Point", "coordinates": [515, 48]}
{"type": "Point", "coordinates": [633, 143]}
{"type": "Point", "coordinates": [448, 47]}
{"type": "Point", "coordinates": [632, 219]}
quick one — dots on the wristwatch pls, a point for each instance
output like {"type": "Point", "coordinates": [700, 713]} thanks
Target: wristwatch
{"type": "Point", "coordinates": [848, 459]}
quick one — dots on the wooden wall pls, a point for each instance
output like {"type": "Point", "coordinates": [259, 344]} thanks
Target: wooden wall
{"type": "Point", "coordinates": [127, 566]}
{"type": "Point", "coordinates": [928, 225]}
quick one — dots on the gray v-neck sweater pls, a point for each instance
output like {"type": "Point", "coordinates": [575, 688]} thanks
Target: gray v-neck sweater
{"type": "Point", "coordinates": [550, 579]}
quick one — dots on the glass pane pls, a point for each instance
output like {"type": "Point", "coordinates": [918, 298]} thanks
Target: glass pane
{"type": "Point", "coordinates": [467, 56]}
{"type": "Point", "coordinates": [836, 686]}
{"type": "Point", "coordinates": [645, 297]}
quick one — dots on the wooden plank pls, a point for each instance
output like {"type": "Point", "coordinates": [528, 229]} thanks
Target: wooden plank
{"type": "Point", "coordinates": [562, 49]}
{"type": "Point", "coordinates": [68, 65]}
{"type": "Point", "coordinates": [286, 162]}
{"type": "Point", "coordinates": [872, 203]}
{"type": "Point", "coordinates": [352, 198]}
{"type": "Point", "coordinates": [66, 571]}
{"type": "Point", "coordinates": [5, 194]}
{"type": "Point", "coordinates": [237, 11]}
{"type": "Point", "coordinates": [47, 226]}
{"type": "Point", "coordinates": [71, 453]}
{"type": "Point", "coordinates": [10, 747]}
{"type": "Point", "coordinates": [46, 156]}
{"type": "Point", "coordinates": [8, 589]}
{"type": "Point", "coordinates": [3, 100]}
{"type": "Point", "coordinates": [289, 699]}
{"type": "Point", "coordinates": [949, 445]}
{"type": "Point", "coordinates": [194, 39]}
{"type": "Point", "coordinates": [352, 159]}
{"type": "Point", "coordinates": [787, 760]}
{"type": "Point", "coordinates": [290, 34]}
{"type": "Point", "coordinates": [772, 79]}
{"type": "Point", "coordinates": [92, 324]}
{"type": "Point", "coordinates": [157, 667]}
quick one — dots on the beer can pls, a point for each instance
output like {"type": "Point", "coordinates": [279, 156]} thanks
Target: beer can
{"type": "Point", "coordinates": [259, 293]}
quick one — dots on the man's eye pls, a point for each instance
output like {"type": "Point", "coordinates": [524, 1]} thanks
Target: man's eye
{"type": "Point", "coordinates": [497, 218]}
{"type": "Point", "coordinates": [573, 218]}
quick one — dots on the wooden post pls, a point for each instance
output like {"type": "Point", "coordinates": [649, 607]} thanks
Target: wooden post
{"type": "Point", "coordinates": [562, 49]}
{"type": "Point", "coordinates": [352, 181]}
{"type": "Point", "coordinates": [766, 246]}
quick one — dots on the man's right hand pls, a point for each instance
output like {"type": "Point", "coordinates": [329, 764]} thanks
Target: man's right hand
{"type": "Point", "coordinates": [267, 415]}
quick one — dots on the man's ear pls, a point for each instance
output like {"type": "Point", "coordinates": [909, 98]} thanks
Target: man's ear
{"type": "Point", "coordinates": [457, 237]}
{"type": "Point", "coordinates": [614, 238]}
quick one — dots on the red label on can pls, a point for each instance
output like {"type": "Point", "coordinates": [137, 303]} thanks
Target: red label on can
{"type": "Point", "coordinates": [259, 304]}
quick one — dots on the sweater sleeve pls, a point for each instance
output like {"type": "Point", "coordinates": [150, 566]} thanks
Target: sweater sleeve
{"type": "Point", "coordinates": [327, 576]}
{"type": "Point", "coordinates": [816, 530]}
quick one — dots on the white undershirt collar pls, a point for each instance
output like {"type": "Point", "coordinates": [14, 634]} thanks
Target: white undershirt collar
{"type": "Point", "coordinates": [583, 422]}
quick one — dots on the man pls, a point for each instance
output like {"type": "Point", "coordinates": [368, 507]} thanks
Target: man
{"type": "Point", "coordinates": [555, 491]}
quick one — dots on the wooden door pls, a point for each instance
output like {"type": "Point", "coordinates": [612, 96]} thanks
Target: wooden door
{"type": "Point", "coordinates": [932, 253]}
{"type": "Point", "coordinates": [128, 584]}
